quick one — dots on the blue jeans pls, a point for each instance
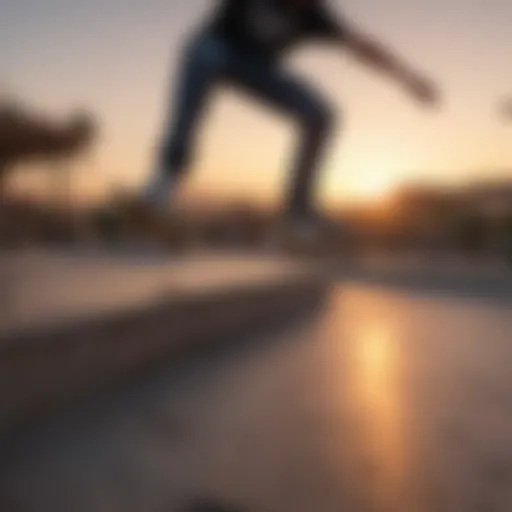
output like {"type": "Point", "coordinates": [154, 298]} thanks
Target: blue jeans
{"type": "Point", "coordinates": [209, 60]}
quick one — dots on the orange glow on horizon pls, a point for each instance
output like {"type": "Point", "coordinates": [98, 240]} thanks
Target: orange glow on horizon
{"type": "Point", "coordinates": [373, 187]}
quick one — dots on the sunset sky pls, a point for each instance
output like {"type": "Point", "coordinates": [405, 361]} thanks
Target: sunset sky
{"type": "Point", "coordinates": [116, 57]}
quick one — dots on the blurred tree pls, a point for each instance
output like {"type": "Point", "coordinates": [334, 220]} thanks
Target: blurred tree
{"type": "Point", "coordinates": [505, 109]}
{"type": "Point", "coordinates": [25, 137]}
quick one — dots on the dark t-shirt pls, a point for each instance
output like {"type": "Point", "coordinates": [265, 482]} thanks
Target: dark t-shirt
{"type": "Point", "coordinates": [267, 27]}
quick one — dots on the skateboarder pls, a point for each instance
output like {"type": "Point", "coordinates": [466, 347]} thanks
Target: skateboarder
{"type": "Point", "coordinates": [244, 44]}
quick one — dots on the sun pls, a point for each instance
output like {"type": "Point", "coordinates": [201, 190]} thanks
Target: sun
{"type": "Point", "coordinates": [372, 187]}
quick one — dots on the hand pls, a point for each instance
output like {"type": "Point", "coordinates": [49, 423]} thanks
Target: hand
{"type": "Point", "coordinates": [423, 90]}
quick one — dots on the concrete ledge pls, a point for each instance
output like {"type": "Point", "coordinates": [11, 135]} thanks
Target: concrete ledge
{"type": "Point", "coordinates": [106, 320]}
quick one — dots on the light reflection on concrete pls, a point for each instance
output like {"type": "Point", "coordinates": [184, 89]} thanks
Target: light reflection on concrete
{"type": "Point", "coordinates": [376, 375]}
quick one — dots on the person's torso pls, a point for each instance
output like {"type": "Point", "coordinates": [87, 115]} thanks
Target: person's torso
{"type": "Point", "coordinates": [264, 27]}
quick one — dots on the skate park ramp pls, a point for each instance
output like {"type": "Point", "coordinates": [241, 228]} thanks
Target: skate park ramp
{"type": "Point", "coordinates": [73, 325]}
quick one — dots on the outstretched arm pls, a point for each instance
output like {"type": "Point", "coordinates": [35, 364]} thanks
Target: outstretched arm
{"type": "Point", "coordinates": [376, 55]}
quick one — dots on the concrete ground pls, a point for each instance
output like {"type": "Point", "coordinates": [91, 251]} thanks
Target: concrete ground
{"type": "Point", "coordinates": [391, 400]}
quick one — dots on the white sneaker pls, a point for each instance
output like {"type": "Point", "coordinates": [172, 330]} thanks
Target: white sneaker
{"type": "Point", "coordinates": [159, 191]}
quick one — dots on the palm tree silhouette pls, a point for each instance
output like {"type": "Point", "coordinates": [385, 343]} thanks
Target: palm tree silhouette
{"type": "Point", "coordinates": [25, 137]}
{"type": "Point", "coordinates": [505, 109]}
